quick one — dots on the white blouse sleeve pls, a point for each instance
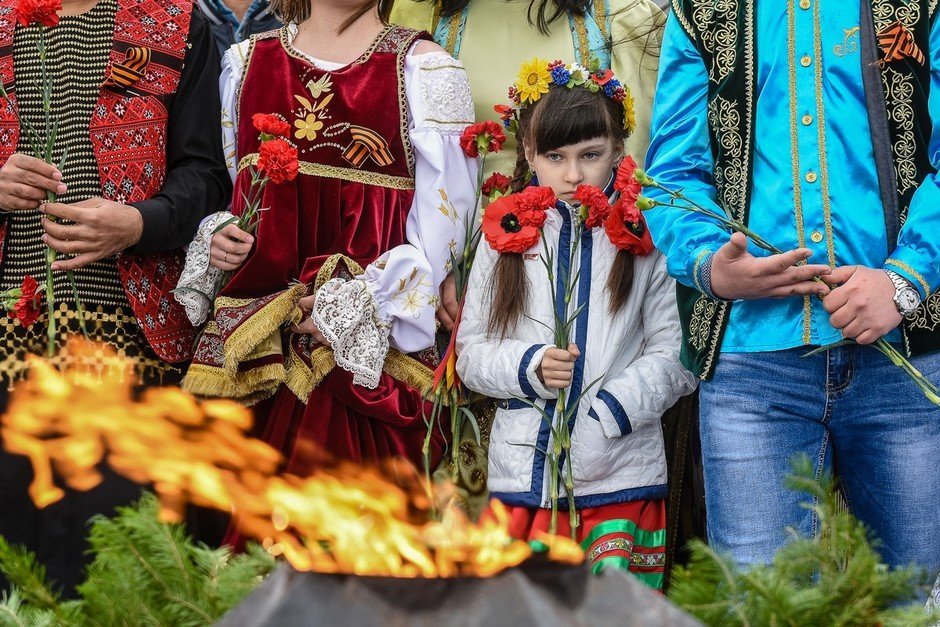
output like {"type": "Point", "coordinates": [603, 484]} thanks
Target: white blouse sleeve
{"type": "Point", "coordinates": [230, 80]}
{"type": "Point", "coordinates": [402, 287]}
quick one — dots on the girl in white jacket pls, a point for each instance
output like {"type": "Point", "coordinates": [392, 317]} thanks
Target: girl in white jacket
{"type": "Point", "coordinates": [626, 336]}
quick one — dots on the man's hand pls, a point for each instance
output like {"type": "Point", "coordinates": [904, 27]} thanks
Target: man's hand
{"type": "Point", "coordinates": [101, 228]}
{"type": "Point", "coordinates": [735, 273]}
{"type": "Point", "coordinates": [24, 181]}
{"type": "Point", "coordinates": [307, 325]}
{"type": "Point", "coordinates": [557, 366]}
{"type": "Point", "coordinates": [861, 303]}
{"type": "Point", "coordinates": [447, 312]}
{"type": "Point", "coordinates": [230, 247]}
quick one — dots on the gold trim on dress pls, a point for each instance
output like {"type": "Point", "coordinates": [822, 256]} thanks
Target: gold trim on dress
{"type": "Point", "coordinates": [795, 159]}
{"type": "Point", "coordinates": [248, 388]}
{"type": "Point", "coordinates": [409, 370]}
{"type": "Point", "coordinates": [821, 131]}
{"type": "Point", "coordinates": [301, 379]}
{"type": "Point", "coordinates": [255, 330]}
{"type": "Point", "coordinates": [297, 54]}
{"type": "Point", "coordinates": [345, 174]}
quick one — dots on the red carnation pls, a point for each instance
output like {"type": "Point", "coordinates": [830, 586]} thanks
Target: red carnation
{"type": "Point", "coordinates": [626, 182]}
{"type": "Point", "coordinates": [43, 12]}
{"type": "Point", "coordinates": [626, 229]}
{"type": "Point", "coordinates": [595, 207]}
{"type": "Point", "coordinates": [26, 308]}
{"type": "Point", "coordinates": [270, 124]}
{"type": "Point", "coordinates": [497, 182]}
{"type": "Point", "coordinates": [482, 137]}
{"type": "Point", "coordinates": [533, 203]}
{"type": "Point", "coordinates": [504, 230]}
{"type": "Point", "coordinates": [278, 160]}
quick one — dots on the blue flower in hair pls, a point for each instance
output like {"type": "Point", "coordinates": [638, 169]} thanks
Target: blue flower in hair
{"type": "Point", "coordinates": [611, 86]}
{"type": "Point", "coordinates": [560, 76]}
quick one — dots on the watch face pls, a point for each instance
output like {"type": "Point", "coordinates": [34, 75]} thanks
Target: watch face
{"type": "Point", "coordinates": [908, 300]}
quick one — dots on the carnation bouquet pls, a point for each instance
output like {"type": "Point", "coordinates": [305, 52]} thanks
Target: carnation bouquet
{"type": "Point", "coordinates": [515, 224]}
{"type": "Point", "coordinates": [43, 14]}
{"type": "Point", "coordinates": [277, 163]}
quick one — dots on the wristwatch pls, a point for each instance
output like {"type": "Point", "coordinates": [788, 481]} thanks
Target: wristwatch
{"type": "Point", "coordinates": [906, 297]}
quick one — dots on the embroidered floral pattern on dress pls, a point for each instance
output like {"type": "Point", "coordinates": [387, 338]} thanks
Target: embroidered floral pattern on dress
{"type": "Point", "coordinates": [617, 544]}
{"type": "Point", "coordinates": [200, 282]}
{"type": "Point", "coordinates": [347, 315]}
{"type": "Point", "coordinates": [445, 92]}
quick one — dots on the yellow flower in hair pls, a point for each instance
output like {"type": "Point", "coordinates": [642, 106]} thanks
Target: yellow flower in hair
{"type": "Point", "coordinates": [629, 112]}
{"type": "Point", "coordinates": [533, 80]}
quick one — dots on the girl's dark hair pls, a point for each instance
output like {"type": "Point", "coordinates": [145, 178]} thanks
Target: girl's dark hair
{"type": "Point", "coordinates": [541, 12]}
{"type": "Point", "coordinates": [298, 11]}
{"type": "Point", "coordinates": [559, 118]}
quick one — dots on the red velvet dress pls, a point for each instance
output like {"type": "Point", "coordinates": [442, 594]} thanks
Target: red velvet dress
{"type": "Point", "coordinates": [349, 204]}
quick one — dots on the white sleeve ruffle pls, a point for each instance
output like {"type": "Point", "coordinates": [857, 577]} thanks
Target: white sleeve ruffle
{"type": "Point", "coordinates": [404, 283]}
{"type": "Point", "coordinates": [230, 80]}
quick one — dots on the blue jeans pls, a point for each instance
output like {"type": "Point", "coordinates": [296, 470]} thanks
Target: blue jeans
{"type": "Point", "coordinates": [849, 407]}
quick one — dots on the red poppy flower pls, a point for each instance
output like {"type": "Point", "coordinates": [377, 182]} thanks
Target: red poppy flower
{"type": "Point", "coordinates": [595, 207]}
{"type": "Point", "coordinates": [503, 229]}
{"type": "Point", "coordinates": [483, 136]}
{"type": "Point", "coordinates": [278, 160]}
{"type": "Point", "coordinates": [43, 12]}
{"type": "Point", "coordinates": [602, 77]}
{"type": "Point", "coordinates": [497, 182]}
{"type": "Point", "coordinates": [270, 124]}
{"type": "Point", "coordinates": [26, 308]}
{"type": "Point", "coordinates": [626, 229]}
{"type": "Point", "coordinates": [534, 202]}
{"type": "Point", "coordinates": [504, 111]}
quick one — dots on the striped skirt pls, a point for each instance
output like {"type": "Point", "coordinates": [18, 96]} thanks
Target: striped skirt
{"type": "Point", "coordinates": [626, 536]}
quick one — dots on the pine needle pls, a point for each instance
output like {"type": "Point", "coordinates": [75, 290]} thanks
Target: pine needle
{"type": "Point", "coordinates": [835, 579]}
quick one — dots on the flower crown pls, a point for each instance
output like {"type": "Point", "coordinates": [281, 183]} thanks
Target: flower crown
{"type": "Point", "coordinates": [537, 75]}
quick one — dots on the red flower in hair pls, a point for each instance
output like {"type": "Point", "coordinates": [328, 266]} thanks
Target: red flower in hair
{"type": "Point", "coordinates": [497, 182]}
{"type": "Point", "coordinates": [533, 203]}
{"type": "Point", "coordinates": [504, 111]}
{"type": "Point", "coordinates": [278, 160]}
{"type": "Point", "coordinates": [626, 229]}
{"type": "Point", "coordinates": [43, 12]}
{"type": "Point", "coordinates": [602, 77]}
{"type": "Point", "coordinates": [26, 308]}
{"type": "Point", "coordinates": [270, 124]}
{"type": "Point", "coordinates": [595, 207]}
{"type": "Point", "coordinates": [503, 229]}
{"type": "Point", "coordinates": [483, 137]}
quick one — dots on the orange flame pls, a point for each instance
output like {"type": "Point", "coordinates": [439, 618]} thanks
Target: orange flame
{"type": "Point", "coordinates": [342, 519]}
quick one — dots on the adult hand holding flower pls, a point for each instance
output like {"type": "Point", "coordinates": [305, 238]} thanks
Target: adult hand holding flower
{"type": "Point", "coordinates": [736, 273]}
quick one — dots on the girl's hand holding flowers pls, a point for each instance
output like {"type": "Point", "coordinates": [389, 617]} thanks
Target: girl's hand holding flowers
{"type": "Point", "coordinates": [557, 366]}
{"type": "Point", "coordinates": [230, 247]}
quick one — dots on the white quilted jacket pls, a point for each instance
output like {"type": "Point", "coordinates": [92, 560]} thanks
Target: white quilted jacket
{"type": "Point", "coordinates": [617, 444]}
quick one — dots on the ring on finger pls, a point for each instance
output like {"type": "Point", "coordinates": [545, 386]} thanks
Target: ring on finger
{"type": "Point", "coordinates": [225, 257]}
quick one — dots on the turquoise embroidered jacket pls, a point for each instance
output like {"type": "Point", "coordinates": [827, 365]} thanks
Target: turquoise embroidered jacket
{"type": "Point", "coordinates": [813, 179]}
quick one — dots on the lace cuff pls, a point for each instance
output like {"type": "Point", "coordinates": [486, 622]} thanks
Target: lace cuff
{"type": "Point", "coordinates": [200, 282]}
{"type": "Point", "coordinates": [347, 315]}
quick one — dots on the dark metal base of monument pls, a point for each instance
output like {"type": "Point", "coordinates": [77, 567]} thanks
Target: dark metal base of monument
{"type": "Point", "coordinates": [537, 593]}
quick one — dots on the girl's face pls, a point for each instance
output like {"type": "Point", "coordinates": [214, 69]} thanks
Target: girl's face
{"type": "Point", "coordinates": [586, 163]}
